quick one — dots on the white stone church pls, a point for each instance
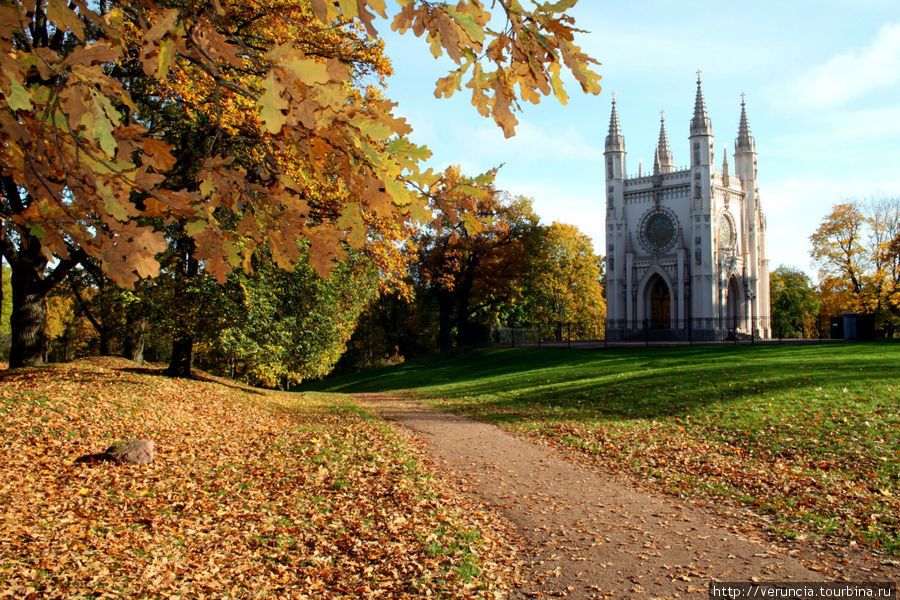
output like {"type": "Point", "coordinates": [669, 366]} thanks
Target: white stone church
{"type": "Point", "coordinates": [686, 249]}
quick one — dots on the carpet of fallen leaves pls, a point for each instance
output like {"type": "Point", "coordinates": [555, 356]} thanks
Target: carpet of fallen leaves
{"type": "Point", "coordinates": [252, 495]}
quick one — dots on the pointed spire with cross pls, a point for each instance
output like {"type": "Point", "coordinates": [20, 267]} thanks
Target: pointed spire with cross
{"type": "Point", "coordinates": [744, 142]}
{"type": "Point", "coordinates": [663, 163]}
{"type": "Point", "coordinates": [700, 124]}
{"type": "Point", "coordinates": [615, 141]}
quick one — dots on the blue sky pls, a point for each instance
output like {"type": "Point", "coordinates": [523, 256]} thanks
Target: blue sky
{"type": "Point", "coordinates": [823, 97]}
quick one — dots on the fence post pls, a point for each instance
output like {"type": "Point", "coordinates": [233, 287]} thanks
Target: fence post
{"type": "Point", "coordinates": [647, 332]}
{"type": "Point", "coordinates": [570, 335]}
{"type": "Point", "coordinates": [539, 336]}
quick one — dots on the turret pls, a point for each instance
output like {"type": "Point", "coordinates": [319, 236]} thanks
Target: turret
{"type": "Point", "coordinates": [745, 159]}
{"type": "Point", "coordinates": [662, 162]}
{"type": "Point", "coordinates": [615, 215]}
{"type": "Point", "coordinates": [701, 131]}
{"type": "Point", "coordinates": [703, 297]}
{"type": "Point", "coordinates": [615, 146]}
{"type": "Point", "coordinates": [744, 141]}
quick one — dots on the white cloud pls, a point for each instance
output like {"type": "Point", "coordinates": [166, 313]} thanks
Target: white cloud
{"type": "Point", "coordinates": [851, 75]}
{"type": "Point", "coordinates": [565, 202]}
{"type": "Point", "coordinates": [530, 144]}
{"type": "Point", "coordinates": [795, 207]}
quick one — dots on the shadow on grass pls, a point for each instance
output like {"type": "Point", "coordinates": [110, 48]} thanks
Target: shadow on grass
{"type": "Point", "coordinates": [508, 385]}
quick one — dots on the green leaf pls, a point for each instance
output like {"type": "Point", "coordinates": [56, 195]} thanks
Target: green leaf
{"type": "Point", "coordinates": [373, 129]}
{"type": "Point", "coordinates": [351, 220]}
{"type": "Point", "coordinates": [111, 203]}
{"type": "Point", "coordinates": [406, 149]}
{"type": "Point", "coordinates": [563, 5]}
{"type": "Point", "coordinates": [195, 228]}
{"type": "Point", "coordinates": [18, 97]}
{"type": "Point", "coordinates": [166, 57]}
{"type": "Point", "coordinates": [103, 132]}
{"type": "Point", "coordinates": [467, 21]}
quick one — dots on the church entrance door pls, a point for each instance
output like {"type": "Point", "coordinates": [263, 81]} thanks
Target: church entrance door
{"type": "Point", "coordinates": [734, 306]}
{"type": "Point", "coordinates": [660, 303]}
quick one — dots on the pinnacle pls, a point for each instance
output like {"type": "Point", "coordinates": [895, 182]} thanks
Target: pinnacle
{"type": "Point", "coordinates": [663, 142]}
{"type": "Point", "coordinates": [614, 139]}
{"type": "Point", "coordinates": [744, 140]}
{"type": "Point", "coordinates": [664, 162]}
{"type": "Point", "coordinates": [700, 124]}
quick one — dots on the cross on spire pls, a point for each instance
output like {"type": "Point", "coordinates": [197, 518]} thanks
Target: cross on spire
{"type": "Point", "coordinates": [700, 124]}
{"type": "Point", "coordinates": [744, 142]}
{"type": "Point", "coordinates": [614, 140]}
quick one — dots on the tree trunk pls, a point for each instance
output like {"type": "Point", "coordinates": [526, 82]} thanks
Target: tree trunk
{"type": "Point", "coordinates": [134, 341]}
{"type": "Point", "coordinates": [182, 357]}
{"type": "Point", "coordinates": [463, 293]}
{"type": "Point", "coordinates": [104, 342]}
{"type": "Point", "coordinates": [29, 313]}
{"type": "Point", "coordinates": [445, 304]}
{"type": "Point", "coordinates": [183, 335]}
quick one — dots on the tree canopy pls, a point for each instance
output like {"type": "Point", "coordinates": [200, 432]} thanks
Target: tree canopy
{"type": "Point", "coordinates": [856, 250]}
{"type": "Point", "coordinates": [100, 103]}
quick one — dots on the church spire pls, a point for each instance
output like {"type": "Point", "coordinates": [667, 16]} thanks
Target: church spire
{"type": "Point", "coordinates": [614, 139]}
{"type": "Point", "coordinates": [700, 124]}
{"type": "Point", "coordinates": [744, 142]}
{"type": "Point", "coordinates": [663, 162]}
{"type": "Point", "coordinates": [725, 175]}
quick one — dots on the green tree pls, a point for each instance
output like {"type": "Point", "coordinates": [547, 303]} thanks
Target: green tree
{"type": "Point", "coordinates": [280, 327]}
{"type": "Point", "coordinates": [794, 303]}
{"type": "Point", "coordinates": [566, 279]}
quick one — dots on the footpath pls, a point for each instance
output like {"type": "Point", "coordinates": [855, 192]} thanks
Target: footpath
{"type": "Point", "coordinates": [589, 534]}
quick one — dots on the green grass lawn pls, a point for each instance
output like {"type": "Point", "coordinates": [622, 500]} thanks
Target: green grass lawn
{"type": "Point", "coordinates": [807, 435]}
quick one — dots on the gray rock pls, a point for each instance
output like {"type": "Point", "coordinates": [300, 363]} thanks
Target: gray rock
{"type": "Point", "coordinates": [135, 452]}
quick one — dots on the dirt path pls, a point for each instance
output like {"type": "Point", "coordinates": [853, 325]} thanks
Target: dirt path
{"type": "Point", "coordinates": [590, 535]}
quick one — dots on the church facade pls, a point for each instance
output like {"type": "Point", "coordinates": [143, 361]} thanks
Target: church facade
{"type": "Point", "coordinates": [686, 248]}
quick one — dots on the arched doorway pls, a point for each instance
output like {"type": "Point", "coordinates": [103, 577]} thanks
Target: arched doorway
{"type": "Point", "coordinates": [734, 306]}
{"type": "Point", "coordinates": [659, 300]}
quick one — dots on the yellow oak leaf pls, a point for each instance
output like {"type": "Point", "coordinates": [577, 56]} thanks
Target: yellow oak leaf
{"type": "Point", "coordinates": [272, 104]}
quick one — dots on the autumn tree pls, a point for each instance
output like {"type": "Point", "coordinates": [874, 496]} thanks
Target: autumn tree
{"type": "Point", "coordinates": [859, 268]}
{"type": "Point", "coordinates": [794, 302]}
{"type": "Point", "coordinates": [564, 279]}
{"type": "Point", "coordinates": [87, 172]}
{"type": "Point", "coordinates": [471, 255]}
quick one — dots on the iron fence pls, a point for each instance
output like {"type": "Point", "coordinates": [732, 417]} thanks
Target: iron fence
{"type": "Point", "coordinates": [687, 331]}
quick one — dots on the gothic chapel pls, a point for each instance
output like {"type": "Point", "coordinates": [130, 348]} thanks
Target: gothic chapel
{"type": "Point", "coordinates": [686, 249]}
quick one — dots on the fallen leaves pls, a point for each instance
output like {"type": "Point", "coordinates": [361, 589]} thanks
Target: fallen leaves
{"type": "Point", "coordinates": [251, 495]}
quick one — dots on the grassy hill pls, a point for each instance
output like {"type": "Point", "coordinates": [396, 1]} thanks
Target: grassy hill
{"type": "Point", "coordinates": [252, 494]}
{"type": "Point", "coordinates": [809, 436]}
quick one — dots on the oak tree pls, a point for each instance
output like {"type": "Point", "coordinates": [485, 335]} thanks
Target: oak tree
{"type": "Point", "coordinates": [87, 172]}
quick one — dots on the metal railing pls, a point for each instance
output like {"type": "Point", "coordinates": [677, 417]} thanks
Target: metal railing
{"type": "Point", "coordinates": [735, 330]}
